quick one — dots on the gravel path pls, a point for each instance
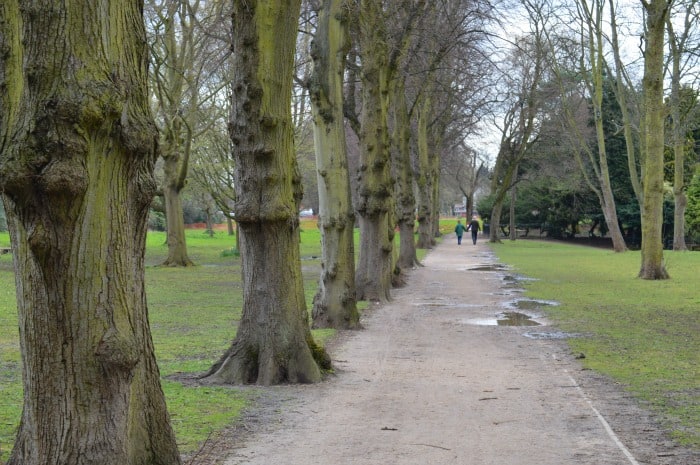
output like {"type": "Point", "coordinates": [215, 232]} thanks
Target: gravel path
{"type": "Point", "coordinates": [432, 379]}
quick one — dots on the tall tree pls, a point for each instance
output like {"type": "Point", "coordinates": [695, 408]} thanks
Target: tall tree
{"type": "Point", "coordinates": [187, 53]}
{"type": "Point", "coordinates": [173, 57]}
{"type": "Point", "coordinates": [273, 344]}
{"type": "Point", "coordinates": [375, 205]}
{"type": "Point", "coordinates": [681, 47]}
{"type": "Point", "coordinates": [520, 124]}
{"type": "Point", "coordinates": [334, 303]}
{"type": "Point", "coordinates": [382, 47]}
{"type": "Point", "coordinates": [77, 153]}
{"type": "Point", "coordinates": [426, 177]}
{"type": "Point", "coordinates": [591, 36]}
{"type": "Point", "coordinates": [655, 12]}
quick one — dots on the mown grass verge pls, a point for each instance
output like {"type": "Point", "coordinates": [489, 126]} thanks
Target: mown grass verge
{"type": "Point", "coordinates": [643, 334]}
{"type": "Point", "coordinates": [193, 314]}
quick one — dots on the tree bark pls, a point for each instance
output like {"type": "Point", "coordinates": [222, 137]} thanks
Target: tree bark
{"type": "Point", "coordinates": [375, 266]}
{"type": "Point", "coordinates": [403, 169]}
{"type": "Point", "coordinates": [334, 304]}
{"type": "Point", "coordinates": [77, 153]}
{"type": "Point", "coordinates": [424, 178]}
{"type": "Point", "coordinates": [652, 266]}
{"type": "Point", "coordinates": [273, 344]}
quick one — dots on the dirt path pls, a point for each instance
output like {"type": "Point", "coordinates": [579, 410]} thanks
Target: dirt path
{"type": "Point", "coordinates": [432, 380]}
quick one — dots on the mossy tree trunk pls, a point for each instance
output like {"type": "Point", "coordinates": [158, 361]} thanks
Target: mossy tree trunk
{"type": "Point", "coordinates": [375, 205]}
{"type": "Point", "coordinates": [334, 304]}
{"type": "Point", "coordinates": [273, 344]}
{"type": "Point", "coordinates": [77, 153]}
{"type": "Point", "coordinates": [652, 266]}
{"type": "Point", "coordinates": [403, 169]}
{"type": "Point", "coordinates": [424, 176]}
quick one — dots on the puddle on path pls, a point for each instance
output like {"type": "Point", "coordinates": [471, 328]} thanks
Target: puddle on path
{"type": "Point", "coordinates": [504, 319]}
{"type": "Point", "coordinates": [515, 319]}
{"type": "Point", "coordinates": [550, 335]}
{"type": "Point", "coordinates": [530, 304]}
{"type": "Point", "coordinates": [489, 267]}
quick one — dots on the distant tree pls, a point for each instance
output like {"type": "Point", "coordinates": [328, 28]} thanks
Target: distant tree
{"type": "Point", "coordinates": [77, 154]}
{"type": "Point", "coordinates": [273, 343]}
{"type": "Point", "coordinates": [520, 124]}
{"type": "Point", "coordinates": [683, 57]}
{"type": "Point", "coordinates": [187, 51]}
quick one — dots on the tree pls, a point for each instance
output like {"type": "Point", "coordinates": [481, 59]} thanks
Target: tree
{"type": "Point", "coordinates": [186, 54]}
{"type": "Point", "coordinates": [680, 46]}
{"type": "Point", "coordinates": [591, 36]}
{"type": "Point", "coordinates": [381, 46]}
{"type": "Point", "coordinates": [273, 344]}
{"type": "Point", "coordinates": [77, 153]}
{"type": "Point", "coordinates": [652, 266]}
{"type": "Point", "coordinates": [519, 129]}
{"type": "Point", "coordinates": [375, 200]}
{"type": "Point", "coordinates": [173, 54]}
{"type": "Point", "coordinates": [334, 303]}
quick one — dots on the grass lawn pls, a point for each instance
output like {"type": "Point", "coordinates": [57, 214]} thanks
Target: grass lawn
{"type": "Point", "coordinates": [193, 314]}
{"type": "Point", "coordinates": [644, 334]}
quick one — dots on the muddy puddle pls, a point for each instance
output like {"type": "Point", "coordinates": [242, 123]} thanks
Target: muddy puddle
{"type": "Point", "coordinates": [517, 312]}
{"type": "Point", "coordinates": [489, 267]}
{"type": "Point", "coordinates": [549, 335]}
{"type": "Point", "coordinates": [504, 319]}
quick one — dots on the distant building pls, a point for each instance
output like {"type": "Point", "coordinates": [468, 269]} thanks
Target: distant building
{"type": "Point", "coordinates": [459, 209]}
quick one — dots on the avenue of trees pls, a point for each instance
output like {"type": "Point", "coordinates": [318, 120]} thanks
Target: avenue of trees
{"type": "Point", "coordinates": [109, 110]}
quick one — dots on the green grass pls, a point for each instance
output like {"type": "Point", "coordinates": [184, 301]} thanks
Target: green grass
{"type": "Point", "coordinates": [193, 314]}
{"type": "Point", "coordinates": [644, 334]}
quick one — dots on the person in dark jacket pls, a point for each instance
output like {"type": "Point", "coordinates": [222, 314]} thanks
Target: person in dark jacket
{"type": "Point", "coordinates": [474, 227]}
{"type": "Point", "coordinates": [459, 230]}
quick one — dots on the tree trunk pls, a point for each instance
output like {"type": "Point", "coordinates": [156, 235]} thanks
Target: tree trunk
{"type": "Point", "coordinates": [652, 83]}
{"type": "Point", "coordinates": [680, 201]}
{"type": "Point", "coordinates": [424, 181]}
{"type": "Point", "coordinates": [77, 153]}
{"type": "Point", "coordinates": [273, 344]}
{"type": "Point", "coordinates": [375, 206]}
{"type": "Point", "coordinates": [435, 184]}
{"type": "Point", "coordinates": [334, 304]}
{"type": "Point", "coordinates": [602, 171]}
{"type": "Point", "coordinates": [403, 173]}
{"type": "Point", "coordinates": [511, 224]}
{"type": "Point", "coordinates": [500, 182]}
{"type": "Point", "coordinates": [177, 245]}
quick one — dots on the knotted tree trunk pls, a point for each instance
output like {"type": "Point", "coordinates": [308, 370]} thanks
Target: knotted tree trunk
{"type": "Point", "coordinates": [335, 305]}
{"type": "Point", "coordinates": [77, 152]}
{"type": "Point", "coordinates": [273, 344]}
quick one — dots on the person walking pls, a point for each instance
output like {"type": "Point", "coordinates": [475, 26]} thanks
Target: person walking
{"type": "Point", "coordinates": [474, 227]}
{"type": "Point", "coordinates": [459, 230]}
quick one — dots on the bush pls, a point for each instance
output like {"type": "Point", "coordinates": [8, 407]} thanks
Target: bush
{"type": "Point", "coordinates": [156, 221]}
